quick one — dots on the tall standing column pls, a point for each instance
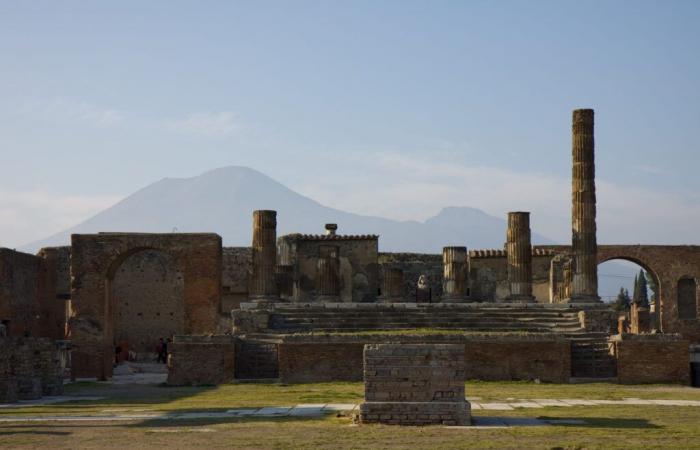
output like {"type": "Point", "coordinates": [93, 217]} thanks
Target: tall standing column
{"type": "Point", "coordinates": [455, 270]}
{"type": "Point", "coordinates": [519, 252]}
{"type": "Point", "coordinates": [584, 284]}
{"type": "Point", "coordinates": [263, 286]}
{"type": "Point", "coordinates": [392, 286]}
{"type": "Point", "coordinates": [328, 273]}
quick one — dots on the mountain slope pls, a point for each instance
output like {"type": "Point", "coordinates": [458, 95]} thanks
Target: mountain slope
{"type": "Point", "coordinates": [222, 201]}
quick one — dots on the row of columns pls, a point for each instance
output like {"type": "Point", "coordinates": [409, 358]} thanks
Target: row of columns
{"type": "Point", "coordinates": [584, 276]}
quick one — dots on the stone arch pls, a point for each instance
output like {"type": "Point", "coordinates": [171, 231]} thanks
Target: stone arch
{"type": "Point", "coordinates": [94, 261]}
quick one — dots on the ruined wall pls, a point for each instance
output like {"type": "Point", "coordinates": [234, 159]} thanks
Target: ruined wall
{"type": "Point", "coordinates": [490, 357]}
{"type": "Point", "coordinates": [201, 360]}
{"type": "Point", "coordinates": [19, 291]}
{"type": "Point", "coordinates": [29, 369]}
{"type": "Point", "coordinates": [95, 260]}
{"type": "Point", "coordinates": [236, 266]}
{"type": "Point", "coordinates": [147, 290]}
{"type": "Point", "coordinates": [414, 265]}
{"type": "Point", "coordinates": [357, 258]}
{"type": "Point", "coordinates": [54, 291]}
{"type": "Point", "coordinates": [489, 275]}
{"type": "Point", "coordinates": [414, 384]}
{"type": "Point", "coordinates": [652, 359]}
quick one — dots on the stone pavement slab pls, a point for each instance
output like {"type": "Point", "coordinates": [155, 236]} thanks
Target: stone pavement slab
{"type": "Point", "coordinates": [273, 411]}
{"type": "Point", "coordinates": [48, 401]}
{"type": "Point", "coordinates": [497, 406]}
{"type": "Point", "coordinates": [340, 407]}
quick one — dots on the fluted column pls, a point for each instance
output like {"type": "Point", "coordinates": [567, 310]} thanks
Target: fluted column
{"type": "Point", "coordinates": [584, 285]}
{"type": "Point", "coordinates": [263, 286]}
{"type": "Point", "coordinates": [328, 273]}
{"type": "Point", "coordinates": [455, 270]}
{"type": "Point", "coordinates": [519, 252]}
{"type": "Point", "coordinates": [392, 286]}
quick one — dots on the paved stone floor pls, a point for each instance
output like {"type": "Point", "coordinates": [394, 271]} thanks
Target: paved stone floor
{"type": "Point", "coordinates": [319, 409]}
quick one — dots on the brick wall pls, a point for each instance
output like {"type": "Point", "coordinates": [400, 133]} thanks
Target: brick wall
{"type": "Point", "coordinates": [29, 368]}
{"type": "Point", "coordinates": [414, 384]}
{"type": "Point", "coordinates": [489, 357]}
{"type": "Point", "coordinates": [201, 360]}
{"type": "Point", "coordinates": [19, 291]}
{"type": "Point", "coordinates": [652, 359]}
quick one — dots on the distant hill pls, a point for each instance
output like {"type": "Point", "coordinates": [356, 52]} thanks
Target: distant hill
{"type": "Point", "coordinates": [222, 201]}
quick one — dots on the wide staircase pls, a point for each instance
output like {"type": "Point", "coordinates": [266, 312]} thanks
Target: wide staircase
{"type": "Point", "coordinates": [293, 319]}
{"type": "Point", "coordinates": [591, 357]}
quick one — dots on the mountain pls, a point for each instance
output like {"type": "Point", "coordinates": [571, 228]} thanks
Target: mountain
{"type": "Point", "coordinates": [222, 201]}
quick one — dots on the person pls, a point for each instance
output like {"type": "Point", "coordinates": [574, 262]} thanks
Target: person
{"type": "Point", "coordinates": [117, 351]}
{"type": "Point", "coordinates": [164, 351]}
{"type": "Point", "coordinates": [159, 349]}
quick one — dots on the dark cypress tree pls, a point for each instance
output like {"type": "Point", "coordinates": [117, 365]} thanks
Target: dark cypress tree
{"type": "Point", "coordinates": [643, 294]}
{"type": "Point", "coordinates": [622, 302]}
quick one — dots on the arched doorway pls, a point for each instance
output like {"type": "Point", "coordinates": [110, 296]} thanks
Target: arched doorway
{"type": "Point", "coordinates": [146, 297]}
{"type": "Point", "coordinates": [617, 277]}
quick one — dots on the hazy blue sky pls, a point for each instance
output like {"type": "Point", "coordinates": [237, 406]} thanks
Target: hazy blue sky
{"type": "Point", "coordinates": [388, 108]}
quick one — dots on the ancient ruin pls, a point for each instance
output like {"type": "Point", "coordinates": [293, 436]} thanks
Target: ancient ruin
{"type": "Point", "coordinates": [301, 307]}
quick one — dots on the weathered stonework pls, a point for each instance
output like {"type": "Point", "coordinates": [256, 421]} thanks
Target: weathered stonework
{"type": "Point", "coordinates": [392, 285]}
{"type": "Point", "coordinates": [328, 273]}
{"type": "Point", "coordinates": [584, 280]}
{"type": "Point", "coordinates": [201, 360]}
{"type": "Point", "coordinates": [455, 282]}
{"type": "Point", "coordinates": [94, 262]}
{"type": "Point", "coordinates": [651, 358]}
{"type": "Point", "coordinates": [263, 285]}
{"type": "Point", "coordinates": [358, 274]}
{"type": "Point", "coordinates": [414, 384]}
{"type": "Point", "coordinates": [519, 251]}
{"type": "Point", "coordinates": [29, 369]}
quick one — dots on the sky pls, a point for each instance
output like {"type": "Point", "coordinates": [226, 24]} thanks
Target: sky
{"type": "Point", "coordinates": [391, 108]}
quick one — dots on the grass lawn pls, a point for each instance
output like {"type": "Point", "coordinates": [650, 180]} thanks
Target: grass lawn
{"type": "Point", "coordinates": [607, 426]}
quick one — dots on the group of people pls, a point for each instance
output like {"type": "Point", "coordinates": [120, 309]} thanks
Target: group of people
{"type": "Point", "coordinates": [161, 352]}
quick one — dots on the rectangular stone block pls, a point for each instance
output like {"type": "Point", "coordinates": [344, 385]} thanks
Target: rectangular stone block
{"type": "Point", "coordinates": [414, 384]}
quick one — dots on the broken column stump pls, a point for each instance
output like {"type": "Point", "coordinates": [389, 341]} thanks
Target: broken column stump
{"type": "Point", "coordinates": [414, 384]}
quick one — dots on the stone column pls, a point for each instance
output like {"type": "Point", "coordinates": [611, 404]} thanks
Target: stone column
{"type": "Point", "coordinates": [584, 285]}
{"type": "Point", "coordinates": [392, 286]}
{"type": "Point", "coordinates": [328, 273]}
{"type": "Point", "coordinates": [519, 252]}
{"type": "Point", "coordinates": [455, 270]}
{"type": "Point", "coordinates": [263, 286]}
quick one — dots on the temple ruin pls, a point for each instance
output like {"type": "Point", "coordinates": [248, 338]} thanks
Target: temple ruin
{"type": "Point", "coordinates": [302, 307]}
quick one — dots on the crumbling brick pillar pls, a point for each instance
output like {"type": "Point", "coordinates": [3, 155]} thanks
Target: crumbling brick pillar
{"type": "Point", "coordinates": [328, 277]}
{"type": "Point", "coordinates": [584, 285]}
{"type": "Point", "coordinates": [455, 266]}
{"type": "Point", "coordinates": [392, 285]}
{"type": "Point", "coordinates": [263, 285]}
{"type": "Point", "coordinates": [519, 252]}
{"type": "Point", "coordinates": [640, 320]}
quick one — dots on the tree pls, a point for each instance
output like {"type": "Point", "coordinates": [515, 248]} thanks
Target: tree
{"type": "Point", "coordinates": [654, 288]}
{"type": "Point", "coordinates": [640, 296]}
{"type": "Point", "coordinates": [622, 302]}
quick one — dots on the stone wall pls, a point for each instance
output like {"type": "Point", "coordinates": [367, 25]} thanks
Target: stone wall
{"type": "Point", "coordinates": [29, 369]}
{"type": "Point", "coordinates": [652, 358]}
{"type": "Point", "coordinates": [19, 292]}
{"type": "Point", "coordinates": [95, 260]}
{"type": "Point", "coordinates": [148, 300]}
{"type": "Point", "coordinates": [54, 292]}
{"type": "Point", "coordinates": [414, 265]}
{"type": "Point", "coordinates": [359, 276]}
{"type": "Point", "coordinates": [414, 384]}
{"type": "Point", "coordinates": [489, 356]}
{"type": "Point", "coordinates": [201, 360]}
{"type": "Point", "coordinates": [488, 275]}
{"type": "Point", "coordinates": [235, 269]}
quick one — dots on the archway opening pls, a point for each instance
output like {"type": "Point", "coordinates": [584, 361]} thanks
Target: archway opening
{"type": "Point", "coordinates": [622, 281]}
{"type": "Point", "coordinates": [147, 301]}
